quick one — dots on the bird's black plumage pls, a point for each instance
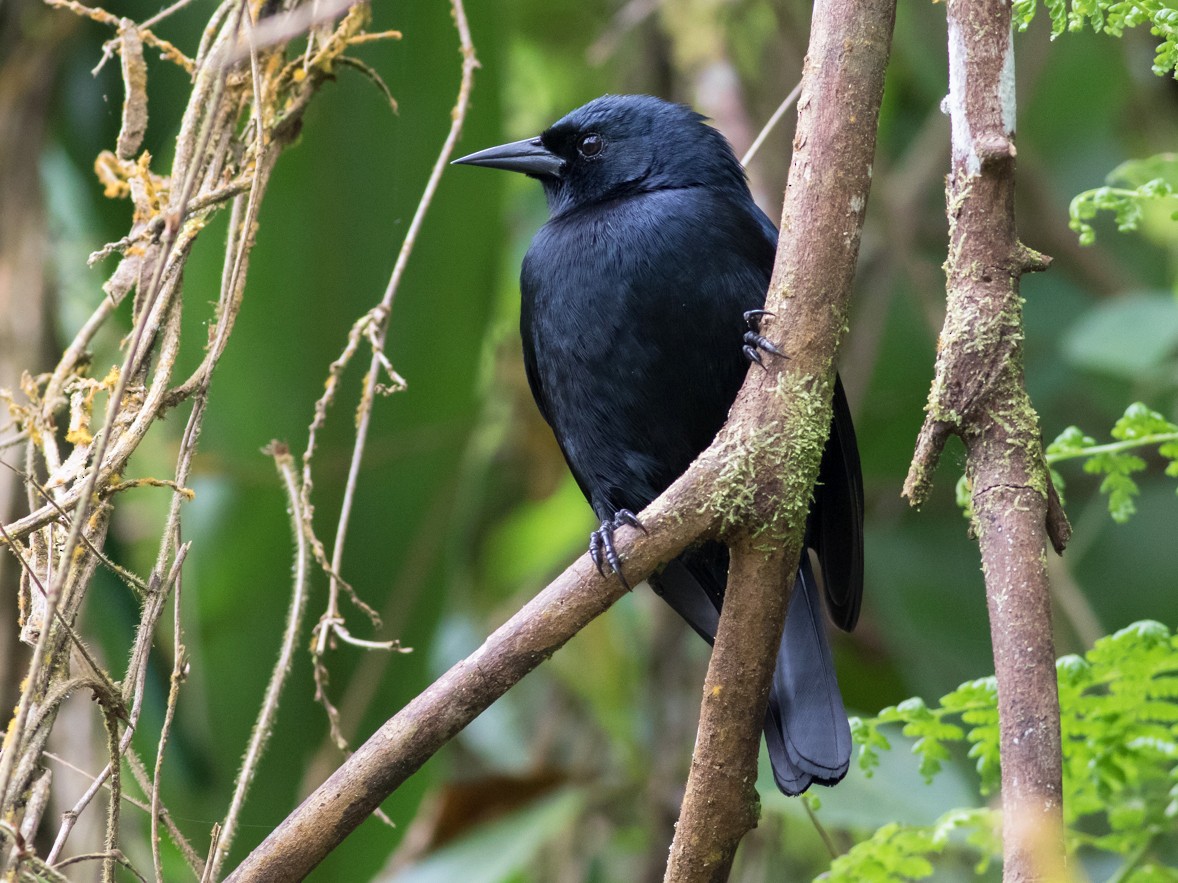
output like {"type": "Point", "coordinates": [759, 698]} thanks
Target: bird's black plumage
{"type": "Point", "coordinates": [634, 295]}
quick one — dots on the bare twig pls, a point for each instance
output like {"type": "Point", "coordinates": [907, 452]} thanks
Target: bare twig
{"type": "Point", "coordinates": [114, 804]}
{"type": "Point", "coordinates": [294, 620]}
{"type": "Point", "coordinates": [283, 28]}
{"type": "Point", "coordinates": [112, 692]}
{"type": "Point", "coordinates": [109, 856]}
{"type": "Point", "coordinates": [134, 683]}
{"type": "Point", "coordinates": [771, 123]}
{"type": "Point", "coordinates": [140, 776]}
{"type": "Point", "coordinates": [374, 327]}
{"type": "Point", "coordinates": [164, 13]}
{"type": "Point", "coordinates": [179, 672]}
{"type": "Point", "coordinates": [103, 17]}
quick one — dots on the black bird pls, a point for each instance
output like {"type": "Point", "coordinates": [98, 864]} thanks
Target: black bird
{"type": "Point", "coordinates": [642, 299]}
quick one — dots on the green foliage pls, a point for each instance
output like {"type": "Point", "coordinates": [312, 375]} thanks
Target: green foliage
{"type": "Point", "coordinates": [974, 703]}
{"type": "Point", "coordinates": [1111, 17]}
{"type": "Point", "coordinates": [1132, 337]}
{"type": "Point", "coordinates": [901, 852]}
{"type": "Point", "coordinates": [1142, 182]}
{"type": "Point", "coordinates": [963, 492]}
{"type": "Point", "coordinates": [1119, 721]}
{"type": "Point", "coordinates": [1138, 428]}
{"type": "Point", "coordinates": [1120, 736]}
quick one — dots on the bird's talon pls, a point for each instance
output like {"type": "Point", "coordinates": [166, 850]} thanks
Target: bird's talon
{"type": "Point", "coordinates": [601, 544]}
{"type": "Point", "coordinates": [595, 544]}
{"type": "Point", "coordinates": [750, 353]}
{"type": "Point", "coordinates": [754, 342]}
{"type": "Point", "coordinates": [625, 516]}
{"type": "Point", "coordinates": [753, 318]}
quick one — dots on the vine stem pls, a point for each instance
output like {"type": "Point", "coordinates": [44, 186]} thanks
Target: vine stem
{"type": "Point", "coordinates": [294, 621]}
{"type": "Point", "coordinates": [383, 310]}
{"type": "Point", "coordinates": [1158, 438]}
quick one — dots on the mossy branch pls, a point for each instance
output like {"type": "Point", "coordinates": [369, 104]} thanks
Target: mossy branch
{"type": "Point", "coordinates": [979, 394]}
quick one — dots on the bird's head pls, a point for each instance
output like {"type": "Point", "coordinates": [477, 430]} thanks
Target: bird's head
{"type": "Point", "coordinates": [616, 145]}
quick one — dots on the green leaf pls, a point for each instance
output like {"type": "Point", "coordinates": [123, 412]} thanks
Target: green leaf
{"type": "Point", "coordinates": [496, 851]}
{"type": "Point", "coordinates": [1125, 337]}
{"type": "Point", "coordinates": [1119, 727]}
{"type": "Point", "coordinates": [897, 853]}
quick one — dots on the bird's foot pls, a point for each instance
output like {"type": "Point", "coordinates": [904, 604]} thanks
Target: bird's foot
{"type": "Point", "coordinates": [601, 543]}
{"type": "Point", "coordinates": [754, 341]}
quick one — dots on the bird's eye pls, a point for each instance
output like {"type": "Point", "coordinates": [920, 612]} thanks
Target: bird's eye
{"type": "Point", "coordinates": [590, 145]}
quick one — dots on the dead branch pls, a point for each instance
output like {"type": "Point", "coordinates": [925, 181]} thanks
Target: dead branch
{"type": "Point", "coordinates": [225, 152]}
{"type": "Point", "coordinates": [979, 394]}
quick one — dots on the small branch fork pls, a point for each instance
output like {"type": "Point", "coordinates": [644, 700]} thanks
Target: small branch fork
{"type": "Point", "coordinates": [978, 393]}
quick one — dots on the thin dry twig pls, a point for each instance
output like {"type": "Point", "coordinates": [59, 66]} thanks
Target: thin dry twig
{"type": "Point", "coordinates": [373, 326]}
{"type": "Point", "coordinates": [108, 857]}
{"type": "Point", "coordinates": [179, 672]}
{"type": "Point", "coordinates": [139, 773]}
{"type": "Point", "coordinates": [771, 124]}
{"type": "Point", "coordinates": [101, 16]}
{"type": "Point", "coordinates": [215, 161]}
{"type": "Point", "coordinates": [268, 712]}
{"type": "Point", "coordinates": [111, 691]}
{"type": "Point", "coordinates": [136, 675]}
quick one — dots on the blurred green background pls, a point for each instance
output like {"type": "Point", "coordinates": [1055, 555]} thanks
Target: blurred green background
{"type": "Point", "coordinates": [465, 508]}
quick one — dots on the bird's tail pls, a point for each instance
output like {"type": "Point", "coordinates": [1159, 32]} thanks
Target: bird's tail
{"type": "Point", "coordinates": [806, 729]}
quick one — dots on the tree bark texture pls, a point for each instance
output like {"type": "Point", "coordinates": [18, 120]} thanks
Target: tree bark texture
{"type": "Point", "coordinates": [778, 426]}
{"type": "Point", "coordinates": [979, 394]}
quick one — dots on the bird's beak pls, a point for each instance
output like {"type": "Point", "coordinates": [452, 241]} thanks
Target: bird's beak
{"type": "Point", "coordinates": [529, 156]}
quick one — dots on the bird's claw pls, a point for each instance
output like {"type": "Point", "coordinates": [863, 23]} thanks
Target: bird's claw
{"type": "Point", "coordinates": [601, 543]}
{"type": "Point", "coordinates": [753, 318]}
{"type": "Point", "coordinates": [754, 341]}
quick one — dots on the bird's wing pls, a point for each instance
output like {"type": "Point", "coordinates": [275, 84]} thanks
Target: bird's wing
{"type": "Point", "coordinates": [837, 519]}
{"type": "Point", "coordinates": [527, 285]}
{"type": "Point", "coordinates": [693, 585]}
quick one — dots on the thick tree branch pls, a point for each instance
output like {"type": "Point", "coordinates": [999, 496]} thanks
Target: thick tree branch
{"type": "Point", "coordinates": [979, 394]}
{"type": "Point", "coordinates": [775, 434]}
{"type": "Point", "coordinates": [721, 804]}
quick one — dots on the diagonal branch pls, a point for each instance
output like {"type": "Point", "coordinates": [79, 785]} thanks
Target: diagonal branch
{"type": "Point", "coordinates": [413, 735]}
